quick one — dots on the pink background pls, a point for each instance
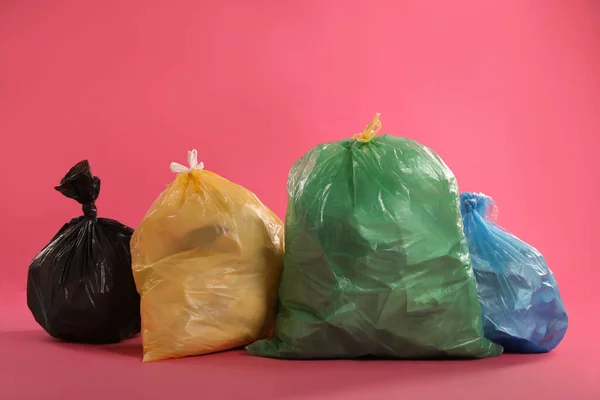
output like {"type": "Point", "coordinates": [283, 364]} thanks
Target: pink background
{"type": "Point", "coordinates": [507, 92]}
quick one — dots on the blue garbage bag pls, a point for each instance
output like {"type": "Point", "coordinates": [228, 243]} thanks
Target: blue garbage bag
{"type": "Point", "coordinates": [521, 305]}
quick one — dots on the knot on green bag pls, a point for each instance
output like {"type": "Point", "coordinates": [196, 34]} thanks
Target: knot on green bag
{"type": "Point", "coordinates": [370, 131]}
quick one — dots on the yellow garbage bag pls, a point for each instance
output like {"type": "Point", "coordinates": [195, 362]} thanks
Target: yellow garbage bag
{"type": "Point", "coordinates": [207, 259]}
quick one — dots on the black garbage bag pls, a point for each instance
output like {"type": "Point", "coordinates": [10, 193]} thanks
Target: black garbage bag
{"type": "Point", "coordinates": [80, 287]}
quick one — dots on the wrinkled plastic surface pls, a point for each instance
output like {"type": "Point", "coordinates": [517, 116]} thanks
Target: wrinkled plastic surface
{"type": "Point", "coordinates": [376, 261]}
{"type": "Point", "coordinates": [80, 287]}
{"type": "Point", "coordinates": [522, 307]}
{"type": "Point", "coordinates": [207, 261]}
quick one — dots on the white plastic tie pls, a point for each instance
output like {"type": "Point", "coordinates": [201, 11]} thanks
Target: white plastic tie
{"type": "Point", "coordinates": [192, 161]}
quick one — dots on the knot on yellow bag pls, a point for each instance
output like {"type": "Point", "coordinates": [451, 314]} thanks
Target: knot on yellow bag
{"type": "Point", "coordinates": [192, 162]}
{"type": "Point", "coordinates": [370, 131]}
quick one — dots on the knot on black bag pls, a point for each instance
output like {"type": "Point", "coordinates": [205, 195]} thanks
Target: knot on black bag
{"type": "Point", "coordinates": [89, 210]}
{"type": "Point", "coordinates": [79, 184]}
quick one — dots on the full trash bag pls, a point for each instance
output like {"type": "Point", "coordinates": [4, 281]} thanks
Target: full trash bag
{"type": "Point", "coordinates": [376, 262]}
{"type": "Point", "coordinates": [522, 307]}
{"type": "Point", "coordinates": [207, 261]}
{"type": "Point", "coordinates": [80, 287]}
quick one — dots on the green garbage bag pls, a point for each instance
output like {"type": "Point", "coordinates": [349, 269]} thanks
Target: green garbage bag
{"type": "Point", "coordinates": [376, 261]}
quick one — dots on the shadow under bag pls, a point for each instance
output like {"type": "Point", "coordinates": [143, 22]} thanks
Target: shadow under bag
{"type": "Point", "coordinates": [80, 287]}
{"type": "Point", "coordinates": [522, 308]}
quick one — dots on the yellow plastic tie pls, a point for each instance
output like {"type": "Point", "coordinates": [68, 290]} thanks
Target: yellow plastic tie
{"type": "Point", "coordinates": [370, 131]}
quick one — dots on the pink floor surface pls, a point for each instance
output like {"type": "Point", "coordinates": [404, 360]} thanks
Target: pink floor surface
{"type": "Point", "coordinates": [35, 366]}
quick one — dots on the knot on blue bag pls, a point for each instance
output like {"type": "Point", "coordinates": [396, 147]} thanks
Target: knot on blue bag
{"type": "Point", "coordinates": [89, 210]}
{"type": "Point", "coordinates": [475, 202]}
